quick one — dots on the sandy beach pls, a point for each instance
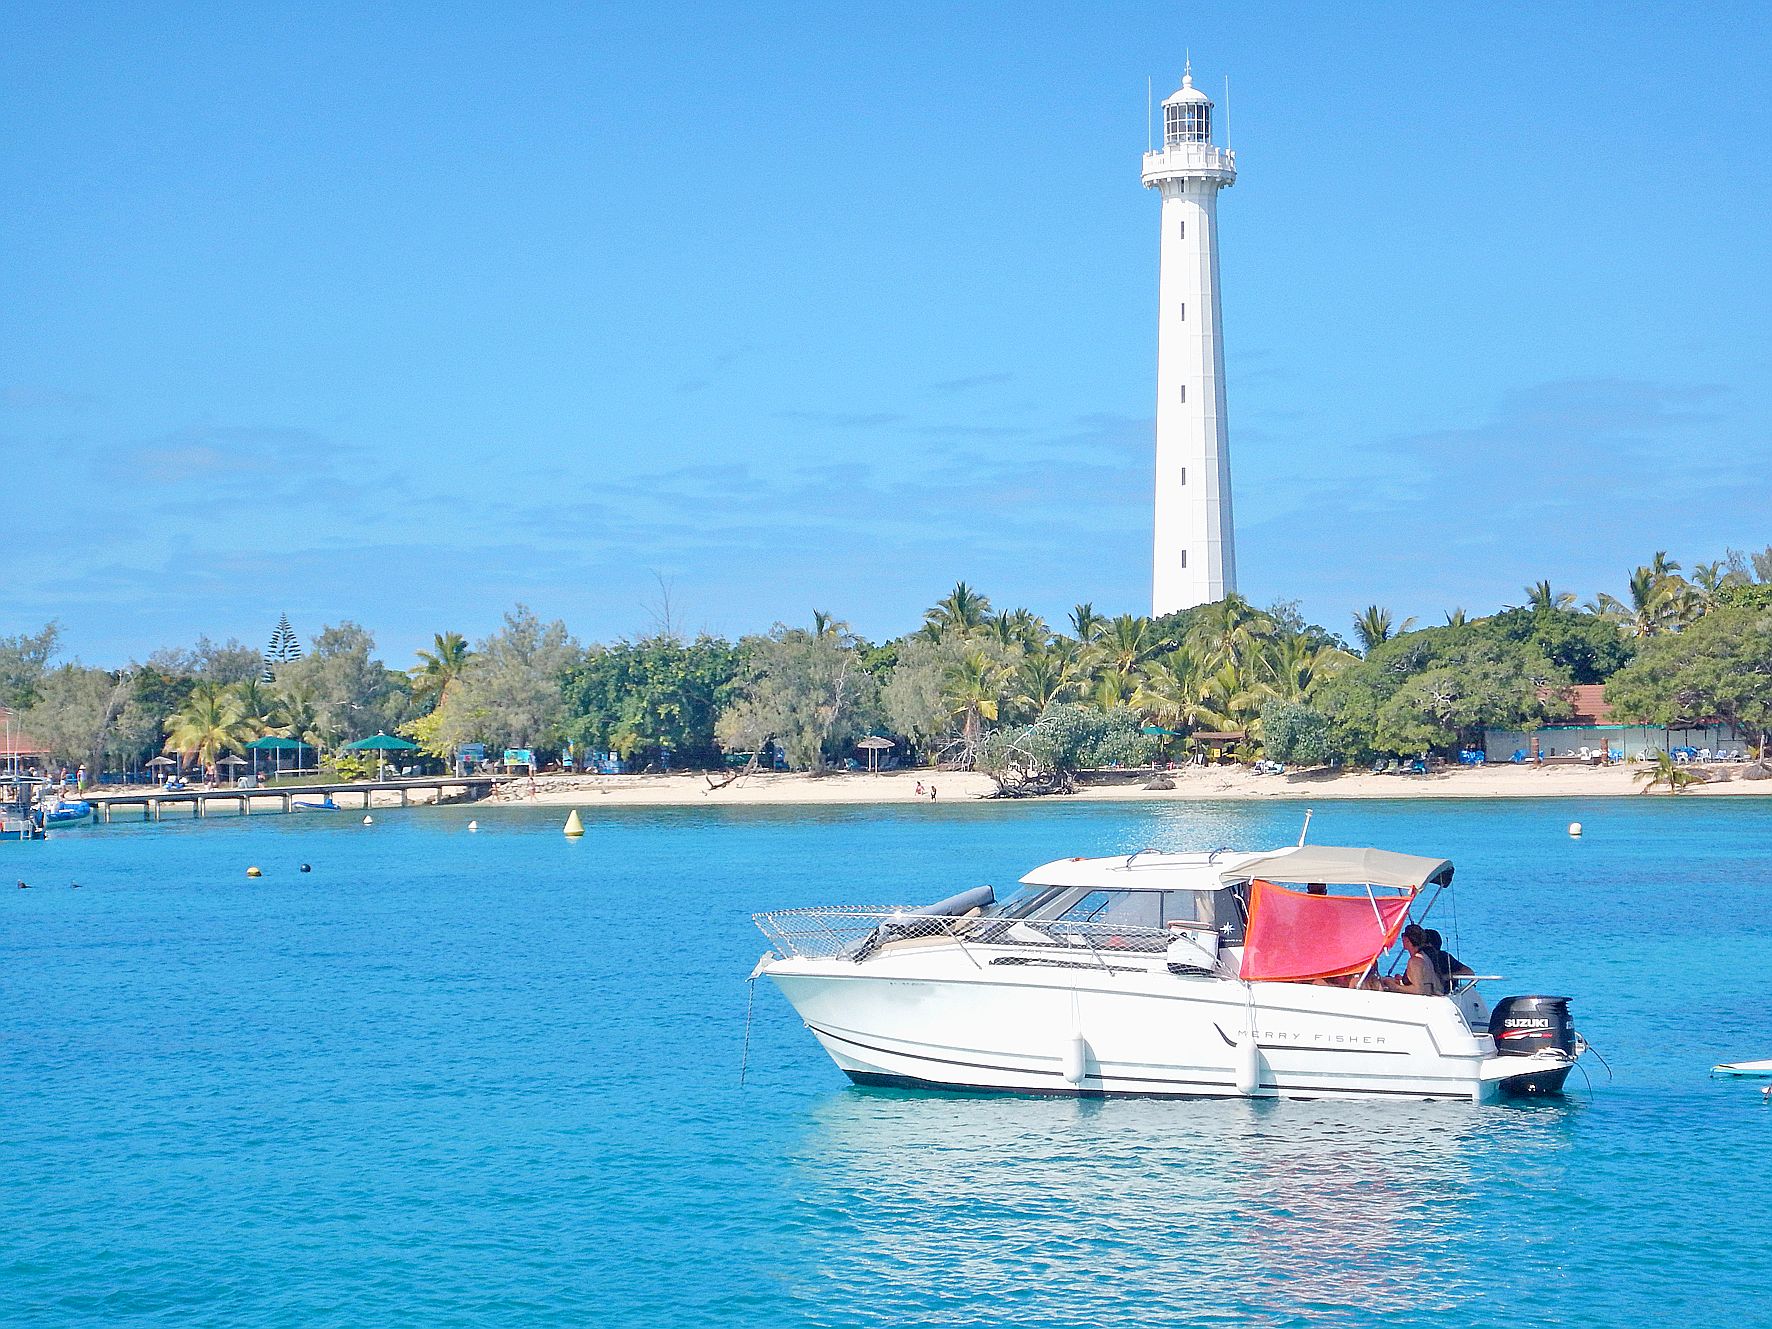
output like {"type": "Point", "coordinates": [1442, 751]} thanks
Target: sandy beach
{"type": "Point", "coordinates": [1190, 783]}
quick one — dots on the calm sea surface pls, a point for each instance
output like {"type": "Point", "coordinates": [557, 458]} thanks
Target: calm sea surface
{"type": "Point", "coordinates": [493, 1079]}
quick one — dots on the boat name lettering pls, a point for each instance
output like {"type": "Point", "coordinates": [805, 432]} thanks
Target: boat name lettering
{"type": "Point", "coordinates": [1298, 1036]}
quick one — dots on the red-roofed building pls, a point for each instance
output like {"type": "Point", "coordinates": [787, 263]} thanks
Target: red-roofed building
{"type": "Point", "coordinates": [15, 744]}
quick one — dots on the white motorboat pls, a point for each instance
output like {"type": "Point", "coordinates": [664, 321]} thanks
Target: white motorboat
{"type": "Point", "coordinates": [1181, 975]}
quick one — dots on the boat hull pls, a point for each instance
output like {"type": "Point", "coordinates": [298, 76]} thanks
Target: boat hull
{"type": "Point", "coordinates": [977, 1022]}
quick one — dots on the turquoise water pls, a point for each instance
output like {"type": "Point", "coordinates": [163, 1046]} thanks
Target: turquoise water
{"type": "Point", "coordinates": [492, 1079]}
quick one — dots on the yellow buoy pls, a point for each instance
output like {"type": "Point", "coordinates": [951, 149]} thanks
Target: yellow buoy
{"type": "Point", "coordinates": [254, 872]}
{"type": "Point", "coordinates": [574, 826]}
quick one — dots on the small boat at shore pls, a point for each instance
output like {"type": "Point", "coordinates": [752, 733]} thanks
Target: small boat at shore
{"type": "Point", "coordinates": [64, 812]}
{"type": "Point", "coordinates": [312, 805]}
{"type": "Point", "coordinates": [1164, 975]}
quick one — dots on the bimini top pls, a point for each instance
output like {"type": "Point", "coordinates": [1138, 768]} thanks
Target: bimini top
{"type": "Point", "coordinates": [1336, 865]}
{"type": "Point", "coordinates": [1151, 870]}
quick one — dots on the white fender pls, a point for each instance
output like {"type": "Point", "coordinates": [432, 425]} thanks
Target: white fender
{"type": "Point", "coordinates": [1076, 1060]}
{"type": "Point", "coordinates": [1248, 1067]}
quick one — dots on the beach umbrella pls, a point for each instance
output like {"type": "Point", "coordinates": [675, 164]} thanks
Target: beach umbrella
{"type": "Point", "coordinates": [382, 743]}
{"type": "Point", "coordinates": [874, 745]}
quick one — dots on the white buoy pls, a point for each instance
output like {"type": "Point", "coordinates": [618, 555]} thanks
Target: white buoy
{"type": "Point", "coordinates": [473, 825]}
{"type": "Point", "coordinates": [1248, 1067]}
{"type": "Point", "coordinates": [368, 821]}
{"type": "Point", "coordinates": [1076, 1060]}
{"type": "Point", "coordinates": [1575, 829]}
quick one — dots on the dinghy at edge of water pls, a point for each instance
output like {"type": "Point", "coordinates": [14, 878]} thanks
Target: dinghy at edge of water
{"type": "Point", "coordinates": [1745, 1070]}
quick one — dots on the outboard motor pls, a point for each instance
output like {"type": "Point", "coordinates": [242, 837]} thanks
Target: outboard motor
{"type": "Point", "coordinates": [1524, 1025]}
{"type": "Point", "coordinates": [1528, 1026]}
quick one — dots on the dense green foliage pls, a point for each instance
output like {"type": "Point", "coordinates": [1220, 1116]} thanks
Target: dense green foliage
{"type": "Point", "coordinates": [972, 685]}
{"type": "Point", "coordinates": [645, 698]}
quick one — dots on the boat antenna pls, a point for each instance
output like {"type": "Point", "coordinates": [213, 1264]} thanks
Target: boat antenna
{"type": "Point", "coordinates": [1305, 829]}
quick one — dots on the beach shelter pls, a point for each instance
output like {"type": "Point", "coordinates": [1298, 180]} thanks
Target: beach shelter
{"type": "Point", "coordinates": [274, 743]}
{"type": "Point", "coordinates": [383, 744]}
{"type": "Point", "coordinates": [874, 745]}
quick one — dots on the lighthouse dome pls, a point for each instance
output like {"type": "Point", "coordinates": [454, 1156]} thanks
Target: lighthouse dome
{"type": "Point", "coordinates": [1186, 93]}
{"type": "Point", "coordinates": [1187, 115]}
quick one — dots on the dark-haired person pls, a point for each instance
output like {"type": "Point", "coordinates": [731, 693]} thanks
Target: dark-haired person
{"type": "Point", "coordinates": [1420, 978]}
{"type": "Point", "coordinates": [1450, 967]}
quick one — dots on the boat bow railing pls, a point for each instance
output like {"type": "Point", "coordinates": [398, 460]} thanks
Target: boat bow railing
{"type": "Point", "coordinates": [861, 932]}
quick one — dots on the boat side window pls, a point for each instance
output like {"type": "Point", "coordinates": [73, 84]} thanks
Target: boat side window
{"type": "Point", "coordinates": [1126, 908]}
{"type": "Point", "coordinates": [1221, 910]}
{"type": "Point", "coordinates": [1024, 902]}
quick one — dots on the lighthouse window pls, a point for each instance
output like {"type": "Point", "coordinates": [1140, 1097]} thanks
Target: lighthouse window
{"type": "Point", "coordinates": [1184, 313]}
{"type": "Point", "coordinates": [1184, 481]}
{"type": "Point", "coordinates": [1184, 558]}
{"type": "Point", "coordinates": [1184, 394]}
{"type": "Point", "coordinates": [1182, 233]}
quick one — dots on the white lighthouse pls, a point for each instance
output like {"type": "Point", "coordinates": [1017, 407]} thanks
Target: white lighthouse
{"type": "Point", "coordinates": [1196, 559]}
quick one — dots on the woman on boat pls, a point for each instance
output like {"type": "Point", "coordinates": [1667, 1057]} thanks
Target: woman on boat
{"type": "Point", "coordinates": [1421, 977]}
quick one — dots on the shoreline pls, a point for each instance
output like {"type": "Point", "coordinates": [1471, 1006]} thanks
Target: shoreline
{"type": "Point", "coordinates": [1192, 784]}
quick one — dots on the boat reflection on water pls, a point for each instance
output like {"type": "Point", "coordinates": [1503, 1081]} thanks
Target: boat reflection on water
{"type": "Point", "coordinates": [1082, 1210]}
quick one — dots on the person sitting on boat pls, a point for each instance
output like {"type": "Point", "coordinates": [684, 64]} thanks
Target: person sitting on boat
{"type": "Point", "coordinates": [1420, 978]}
{"type": "Point", "coordinates": [1450, 967]}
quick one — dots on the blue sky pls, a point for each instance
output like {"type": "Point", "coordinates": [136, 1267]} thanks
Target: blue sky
{"type": "Point", "coordinates": [405, 316]}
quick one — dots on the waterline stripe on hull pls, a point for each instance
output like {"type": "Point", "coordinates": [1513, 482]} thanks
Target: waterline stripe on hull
{"type": "Point", "coordinates": [1184, 1088]}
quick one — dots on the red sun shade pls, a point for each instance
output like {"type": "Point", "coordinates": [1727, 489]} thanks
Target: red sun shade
{"type": "Point", "coordinates": [1294, 936]}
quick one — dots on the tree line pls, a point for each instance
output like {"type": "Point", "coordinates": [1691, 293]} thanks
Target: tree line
{"type": "Point", "coordinates": [973, 686]}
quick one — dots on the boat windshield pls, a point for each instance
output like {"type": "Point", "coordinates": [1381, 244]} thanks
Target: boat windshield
{"type": "Point", "coordinates": [1220, 910]}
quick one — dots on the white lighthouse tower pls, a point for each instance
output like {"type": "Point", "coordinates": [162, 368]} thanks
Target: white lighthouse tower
{"type": "Point", "coordinates": [1196, 560]}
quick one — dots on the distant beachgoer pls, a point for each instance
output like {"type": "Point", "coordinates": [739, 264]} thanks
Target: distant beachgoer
{"type": "Point", "coordinates": [919, 789]}
{"type": "Point", "coordinates": [932, 793]}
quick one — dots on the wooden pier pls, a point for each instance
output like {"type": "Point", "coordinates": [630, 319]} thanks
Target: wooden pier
{"type": "Point", "coordinates": [283, 798]}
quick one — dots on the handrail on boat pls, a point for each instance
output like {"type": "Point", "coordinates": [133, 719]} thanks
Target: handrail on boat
{"type": "Point", "coordinates": [860, 933]}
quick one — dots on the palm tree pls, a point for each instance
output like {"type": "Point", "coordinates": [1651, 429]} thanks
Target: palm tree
{"type": "Point", "coordinates": [1231, 631]}
{"type": "Point", "coordinates": [209, 725]}
{"type": "Point", "coordinates": [1296, 669]}
{"type": "Point", "coordinates": [1113, 687]}
{"type": "Point", "coordinates": [1455, 618]}
{"type": "Point", "coordinates": [1042, 678]}
{"type": "Point", "coordinates": [259, 705]}
{"type": "Point", "coordinates": [298, 717]}
{"type": "Point", "coordinates": [1086, 623]}
{"type": "Point", "coordinates": [972, 688]}
{"type": "Point", "coordinates": [1666, 771]}
{"type": "Point", "coordinates": [1373, 627]}
{"type": "Point", "coordinates": [440, 666]}
{"type": "Point", "coordinates": [961, 608]}
{"type": "Point", "coordinates": [1660, 600]}
{"type": "Point", "coordinates": [1540, 597]}
{"type": "Point", "coordinates": [1172, 690]}
{"type": "Point", "coordinates": [1126, 644]}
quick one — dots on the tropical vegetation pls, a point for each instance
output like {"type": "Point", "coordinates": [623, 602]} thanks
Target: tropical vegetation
{"type": "Point", "coordinates": [973, 685]}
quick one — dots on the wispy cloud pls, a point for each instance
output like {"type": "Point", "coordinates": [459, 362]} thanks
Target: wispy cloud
{"type": "Point", "coordinates": [950, 386]}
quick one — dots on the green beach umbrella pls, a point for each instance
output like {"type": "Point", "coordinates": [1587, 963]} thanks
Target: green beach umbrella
{"type": "Point", "coordinates": [382, 743]}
